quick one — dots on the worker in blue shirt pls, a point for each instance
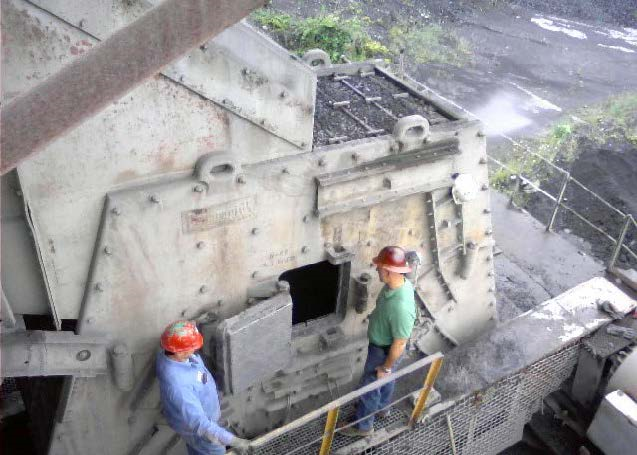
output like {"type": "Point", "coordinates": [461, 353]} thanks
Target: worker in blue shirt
{"type": "Point", "coordinates": [189, 394]}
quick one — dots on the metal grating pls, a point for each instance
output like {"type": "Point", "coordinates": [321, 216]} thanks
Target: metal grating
{"type": "Point", "coordinates": [491, 420]}
{"type": "Point", "coordinates": [352, 107]}
{"type": "Point", "coordinates": [485, 422]}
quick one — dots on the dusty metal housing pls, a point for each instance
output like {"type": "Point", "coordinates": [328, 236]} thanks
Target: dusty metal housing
{"type": "Point", "coordinates": [193, 194]}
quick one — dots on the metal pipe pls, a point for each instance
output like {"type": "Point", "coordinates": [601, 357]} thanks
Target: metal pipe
{"type": "Point", "coordinates": [88, 84]}
{"type": "Point", "coordinates": [328, 435]}
{"type": "Point", "coordinates": [567, 178]}
{"type": "Point", "coordinates": [628, 220]}
{"type": "Point", "coordinates": [432, 374]}
{"type": "Point", "coordinates": [361, 292]}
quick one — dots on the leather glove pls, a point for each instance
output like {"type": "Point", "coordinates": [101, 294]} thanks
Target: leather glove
{"type": "Point", "coordinates": [240, 445]}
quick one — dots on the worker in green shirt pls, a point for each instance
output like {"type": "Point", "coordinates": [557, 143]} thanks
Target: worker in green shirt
{"type": "Point", "coordinates": [390, 326]}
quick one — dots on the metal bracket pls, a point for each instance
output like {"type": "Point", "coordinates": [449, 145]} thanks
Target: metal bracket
{"type": "Point", "coordinates": [42, 353]}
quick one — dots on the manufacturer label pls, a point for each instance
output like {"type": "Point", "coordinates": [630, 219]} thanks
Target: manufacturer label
{"type": "Point", "coordinates": [217, 215]}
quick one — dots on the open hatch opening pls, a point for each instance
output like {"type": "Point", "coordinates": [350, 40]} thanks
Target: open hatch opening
{"type": "Point", "coordinates": [314, 289]}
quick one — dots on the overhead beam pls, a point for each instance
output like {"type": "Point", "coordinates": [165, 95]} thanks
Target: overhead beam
{"type": "Point", "coordinates": [110, 70]}
{"type": "Point", "coordinates": [42, 353]}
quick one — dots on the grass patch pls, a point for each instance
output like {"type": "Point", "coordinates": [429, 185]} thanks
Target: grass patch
{"type": "Point", "coordinates": [429, 44]}
{"type": "Point", "coordinates": [611, 122]}
{"type": "Point", "coordinates": [330, 32]}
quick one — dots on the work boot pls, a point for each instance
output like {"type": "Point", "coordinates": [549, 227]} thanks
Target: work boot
{"type": "Point", "coordinates": [355, 432]}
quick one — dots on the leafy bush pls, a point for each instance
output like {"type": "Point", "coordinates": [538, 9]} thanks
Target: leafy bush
{"type": "Point", "coordinates": [330, 32]}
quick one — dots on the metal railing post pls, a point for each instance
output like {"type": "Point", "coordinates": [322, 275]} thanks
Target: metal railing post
{"type": "Point", "coordinates": [628, 220]}
{"type": "Point", "coordinates": [434, 369]}
{"type": "Point", "coordinates": [328, 434]}
{"type": "Point", "coordinates": [558, 202]}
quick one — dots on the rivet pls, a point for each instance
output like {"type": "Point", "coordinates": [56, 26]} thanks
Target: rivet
{"type": "Point", "coordinates": [262, 122]}
{"type": "Point", "coordinates": [255, 274]}
{"type": "Point", "coordinates": [491, 303]}
{"type": "Point", "coordinates": [485, 187]}
{"type": "Point", "coordinates": [305, 249]}
{"type": "Point", "coordinates": [483, 160]}
{"type": "Point", "coordinates": [203, 289]}
{"type": "Point", "coordinates": [204, 47]}
{"type": "Point", "coordinates": [241, 179]}
{"type": "Point", "coordinates": [283, 94]}
{"type": "Point", "coordinates": [487, 211]}
{"type": "Point", "coordinates": [99, 287]}
{"type": "Point", "coordinates": [107, 250]}
{"type": "Point", "coordinates": [82, 23]}
{"type": "Point", "coordinates": [224, 101]}
{"type": "Point", "coordinates": [198, 189]}
{"type": "Point", "coordinates": [322, 162]}
{"type": "Point", "coordinates": [306, 219]}
{"type": "Point", "coordinates": [480, 134]}
{"type": "Point", "coordinates": [489, 258]}
{"type": "Point", "coordinates": [116, 211]}
{"type": "Point", "coordinates": [200, 245]}
{"type": "Point", "coordinates": [181, 78]}
{"type": "Point", "coordinates": [254, 231]}
{"type": "Point", "coordinates": [285, 170]}
{"type": "Point", "coordinates": [490, 273]}
{"type": "Point", "coordinates": [154, 199]}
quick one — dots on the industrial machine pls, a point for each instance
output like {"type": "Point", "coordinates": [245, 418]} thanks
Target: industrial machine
{"type": "Point", "coordinates": [242, 187]}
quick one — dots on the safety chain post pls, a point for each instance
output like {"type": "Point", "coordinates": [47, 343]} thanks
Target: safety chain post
{"type": "Point", "coordinates": [432, 374]}
{"type": "Point", "coordinates": [628, 220]}
{"type": "Point", "coordinates": [328, 434]}
{"type": "Point", "coordinates": [558, 202]}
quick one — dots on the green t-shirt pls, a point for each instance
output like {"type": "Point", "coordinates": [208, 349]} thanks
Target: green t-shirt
{"type": "Point", "coordinates": [393, 316]}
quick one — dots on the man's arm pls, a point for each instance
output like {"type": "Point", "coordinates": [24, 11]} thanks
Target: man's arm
{"type": "Point", "coordinates": [182, 403]}
{"type": "Point", "coordinates": [395, 351]}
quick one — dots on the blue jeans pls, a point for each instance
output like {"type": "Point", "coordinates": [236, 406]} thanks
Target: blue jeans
{"type": "Point", "coordinates": [376, 399]}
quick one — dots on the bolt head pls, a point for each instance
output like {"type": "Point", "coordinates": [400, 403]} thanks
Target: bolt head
{"type": "Point", "coordinates": [116, 211]}
{"type": "Point", "coordinates": [355, 157]}
{"type": "Point", "coordinates": [483, 160]}
{"type": "Point", "coordinates": [322, 162]}
{"type": "Point", "coordinates": [99, 287]}
{"type": "Point", "coordinates": [200, 245]}
{"type": "Point", "coordinates": [203, 289]}
{"type": "Point", "coordinates": [241, 179]}
{"type": "Point", "coordinates": [154, 199]}
{"type": "Point", "coordinates": [254, 231]}
{"type": "Point", "coordinates": [305, 249]}
{"type": "Point", "coordinates": [306, 219]}
{"type": "Point", "coordinates": [487, 211]}
{"type": "Point", "coordinates": [485, 187]}
{"type": "Point", "coordinates": [255, 274]}
{"type": "Point", "coordinates": [108, 251]}
{"type": "Point", "coordinates": [198, 189]}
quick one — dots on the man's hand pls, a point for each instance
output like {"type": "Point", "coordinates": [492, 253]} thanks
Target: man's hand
{"type": "Point", "coordinates": [240, 445]}
{"type": "Point", "coordinates": [381, 373]}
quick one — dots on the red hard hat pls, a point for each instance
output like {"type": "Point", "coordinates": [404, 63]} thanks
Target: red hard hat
{"type": "Point", "coordinates": [392, 258]}
{"type": "Point", "coordinates": [181, 336]}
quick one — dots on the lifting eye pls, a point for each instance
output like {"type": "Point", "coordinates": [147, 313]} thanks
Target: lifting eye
{"type": "Point", "coordinates": [222, 168]}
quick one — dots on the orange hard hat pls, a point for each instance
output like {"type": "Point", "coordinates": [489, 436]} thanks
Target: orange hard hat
{"type": "Point", "coordinates": [392, 258]}
{"type": "Point", "coordinates": [181, 336]}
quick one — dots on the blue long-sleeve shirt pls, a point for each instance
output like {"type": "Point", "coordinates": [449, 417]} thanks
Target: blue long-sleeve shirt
{"type": "Point", "coordinates": [189, 399]}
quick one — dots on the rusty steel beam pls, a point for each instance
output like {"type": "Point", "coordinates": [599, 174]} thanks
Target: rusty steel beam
{"type": "Point", "coordinates": [110, 70]}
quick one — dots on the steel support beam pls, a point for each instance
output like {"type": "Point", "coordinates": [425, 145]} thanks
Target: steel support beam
{"type": "Point", "coordinates": [42, 353]}
{"type": "Point", "coordinates": [112, 69]}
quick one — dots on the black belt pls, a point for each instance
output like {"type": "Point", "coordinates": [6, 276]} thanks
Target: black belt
{"type": "Point", "coordinates": [384, 348]}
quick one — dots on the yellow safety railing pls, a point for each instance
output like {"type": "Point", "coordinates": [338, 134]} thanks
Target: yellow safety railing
{"type": "Point", "coordinates": [332, 409]}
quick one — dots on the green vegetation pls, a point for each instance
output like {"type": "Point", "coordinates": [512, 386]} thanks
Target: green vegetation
{"type": "Point", "coordinates": [613, 121]}
{"type": "Point", "coordinates": [429, 44]}
{"type": "Point", "coordinates": [330, 32]}
{"type": "Point", "coordinates": [349, 36]}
